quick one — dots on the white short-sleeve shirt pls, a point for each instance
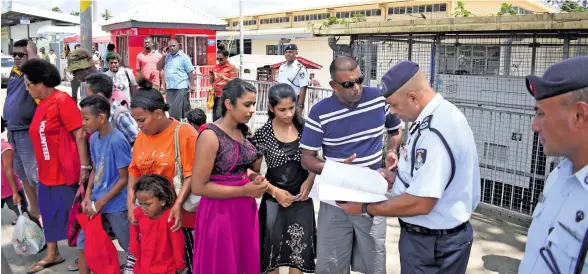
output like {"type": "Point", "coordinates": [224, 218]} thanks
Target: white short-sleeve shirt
{"type": "Point", "coordinates": [431, 171]}
{"type": "Point", "coordinates": [560, 221]}
{"type": "Point", "coordinates": [294, 75]}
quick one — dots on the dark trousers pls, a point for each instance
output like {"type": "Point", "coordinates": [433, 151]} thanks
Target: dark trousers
{"type": "Point", "coordinates": [179, 102]}
{"type": "Point", "coordinates": [435, 254]}
{"type": "Point", "coordinates": [217, 111]}
{"type": "Point", "coordinates": [75, 85]}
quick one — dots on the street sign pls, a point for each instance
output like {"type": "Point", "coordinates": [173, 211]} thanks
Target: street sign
{"type": "Point", "coordinates": [24, 20]}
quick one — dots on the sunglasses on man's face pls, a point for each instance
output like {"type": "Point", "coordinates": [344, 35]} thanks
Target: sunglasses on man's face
{"type": "Point", "coordinates": [19, 54]}
{"type": "Point", "coordinates": [350, 84]}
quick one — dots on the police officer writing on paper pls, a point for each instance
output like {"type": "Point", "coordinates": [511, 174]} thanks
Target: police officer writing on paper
{"type": "Point", "coordinates": [558, 237]}
{"type": "Point", "coordinates": [437, 182]}
{"type": "Point", "coordinates": [294, 74]}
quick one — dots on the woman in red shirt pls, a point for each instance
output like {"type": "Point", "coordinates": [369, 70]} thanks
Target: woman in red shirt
{"type": "Point", "coordinates": [57, 138]}
{"type": "Point", "coordinates": [158, 249]}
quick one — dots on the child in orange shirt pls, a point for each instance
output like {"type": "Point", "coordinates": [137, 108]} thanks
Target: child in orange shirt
{"type": "Point", "coordinates": [159, 249]}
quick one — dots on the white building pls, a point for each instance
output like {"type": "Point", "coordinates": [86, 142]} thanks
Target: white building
{"type": "Point", "coordinates": [22, 22]}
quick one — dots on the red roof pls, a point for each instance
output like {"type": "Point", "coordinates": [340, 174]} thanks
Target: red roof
{"type": "Point", "coordinates": [307, 63]}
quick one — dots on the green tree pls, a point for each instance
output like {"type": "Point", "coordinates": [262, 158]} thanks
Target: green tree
{"type": "Point", "coordinates": [507, 8]}
{"type": "Point", "coordinates": [571, 6]}
{"type": "Point", "coordinates": [75, 13]}
{"type": "Point", "coordinates": [355, 18]}
{"type": "Point", "coordinates": [460, 10]}
{"type": "Point", "coordinates": [106, 15]}
{"type": "Point", "coordinates": [56, 9]}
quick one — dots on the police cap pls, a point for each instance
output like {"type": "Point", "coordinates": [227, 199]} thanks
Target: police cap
{"type": "Point", "coordinates": [291, 47]}
{"type": "Point", "coordinates": [396, 77]}
{"type": "Point", "coordinates": [560, 78]}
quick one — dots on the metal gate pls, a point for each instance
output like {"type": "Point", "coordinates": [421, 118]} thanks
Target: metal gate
{"type": "Point", "coordinates": [483, 75]}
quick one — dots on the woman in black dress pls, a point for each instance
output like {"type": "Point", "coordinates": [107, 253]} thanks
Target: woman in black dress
{"type": "Point", "coordinates": [286, 216]}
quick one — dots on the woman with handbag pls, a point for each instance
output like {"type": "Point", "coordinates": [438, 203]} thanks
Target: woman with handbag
{"type": "Point", "coordinates": [61, 150]}
{"type": "Point", "coordinates": [165, 147]}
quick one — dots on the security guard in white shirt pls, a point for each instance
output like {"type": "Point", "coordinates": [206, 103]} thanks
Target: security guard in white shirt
{"type": "Point", "coordinates": [294, 74]}
{"type": "Point", "coordinates": [558, 237]}
{"type": "Point", "coordinates": [437, 182]}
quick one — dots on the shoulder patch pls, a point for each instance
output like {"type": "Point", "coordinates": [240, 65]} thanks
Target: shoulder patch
{"type": "Point", "coordinates": [426, 122]}
{"type": "Point", "coordinates": [421, 158]}
{"type": "Point", "coordinates": [302, 74]}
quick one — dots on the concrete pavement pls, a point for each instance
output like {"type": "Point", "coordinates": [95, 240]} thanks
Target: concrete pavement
{"type": "Point", "coordinates": [498, 247]}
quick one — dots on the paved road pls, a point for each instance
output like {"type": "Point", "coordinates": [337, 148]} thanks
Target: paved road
{"type": "Point", "coordinates": [498, 246]}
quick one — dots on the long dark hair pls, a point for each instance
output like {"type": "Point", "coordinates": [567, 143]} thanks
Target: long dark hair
{"type": "Point", "coordinates": [234, 89]}
{"type": "Point", "coordinates": [279, 92]}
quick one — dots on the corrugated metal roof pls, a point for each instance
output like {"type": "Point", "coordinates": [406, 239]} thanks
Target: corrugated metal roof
{"type": "Point", "coordinates": [36, 12]}
{"type": "Point", "coordinates": [166, 12]}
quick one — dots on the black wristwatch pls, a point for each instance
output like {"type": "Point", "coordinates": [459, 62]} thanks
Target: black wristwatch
{"type": "Point", "coordinates": [364, 210]}
{"type": "Point", "coordinates": [301, 105]}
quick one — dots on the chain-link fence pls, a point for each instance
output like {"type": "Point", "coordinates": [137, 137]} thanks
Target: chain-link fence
{"type": "Point", "coordinates": [483, 75]}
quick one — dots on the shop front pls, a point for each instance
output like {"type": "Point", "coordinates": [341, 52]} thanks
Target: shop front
{"type": "Point", "coordinates": [194, 30]}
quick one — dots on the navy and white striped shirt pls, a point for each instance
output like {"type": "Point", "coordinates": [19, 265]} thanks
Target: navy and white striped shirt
{"type": "Point", "coordinates": [341, 130]}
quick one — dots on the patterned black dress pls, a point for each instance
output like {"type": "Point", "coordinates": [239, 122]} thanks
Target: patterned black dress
{"type": "Point", "coordinates": [287, 235]}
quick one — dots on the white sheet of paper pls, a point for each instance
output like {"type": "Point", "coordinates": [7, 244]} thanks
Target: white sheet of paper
{"type": "Point", "coordinates": [343, 182]}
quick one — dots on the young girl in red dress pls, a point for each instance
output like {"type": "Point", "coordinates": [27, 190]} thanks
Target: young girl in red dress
{"type": "Point", "coordinates": [156, 247]}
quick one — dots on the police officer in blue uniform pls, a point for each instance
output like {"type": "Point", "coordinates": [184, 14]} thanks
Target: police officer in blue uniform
{"type": "Point", "coordinates": [437, 181]}
{"type": "Point", "coordinates": [558, 237]}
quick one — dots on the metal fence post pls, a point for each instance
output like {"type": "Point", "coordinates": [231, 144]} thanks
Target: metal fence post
{"type": "Point", "coordinates": [566, 47]}
{"type": "Point", "coordinates": [534, 46]}
{"type": "Point", "coordinates": [410, 41]}
{"type": "Point", "coordinates": [433, 67]}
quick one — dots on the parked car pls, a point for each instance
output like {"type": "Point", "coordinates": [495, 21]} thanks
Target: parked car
{"type": "Point", "coordinates": [7, 64]}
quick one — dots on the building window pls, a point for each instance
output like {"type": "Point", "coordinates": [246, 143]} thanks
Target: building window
{"type": "Point", "coordinates": [235, 23]}
{"type": "Point", "coordinates": [275, 20]}
{"type": "Point", "coordinates": [272, 50]}
{"type": "Point", "coordinates": [442, 7]}
{"type": "Point", "coordinates": [522, 11]}
{"type": "Point", "coordinates": [349, 14]}
{"type": "Point", "coordinates": [469, 60]}
{"type": "Point", "coordinates": [234, 48]}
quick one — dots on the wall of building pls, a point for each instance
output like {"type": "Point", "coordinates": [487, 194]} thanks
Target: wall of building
{"type": "Point", "coordinates": [314, 49]}
{"type": "Point", "coordinates": [20, 31]}
{"type": "Point", "coordinates": [422, 9]}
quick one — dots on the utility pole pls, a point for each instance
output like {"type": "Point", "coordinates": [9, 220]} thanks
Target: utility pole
{"type": "Point", "coordinates": [241, 40]}
{"type": "Point", "coordinates": [86, 24]}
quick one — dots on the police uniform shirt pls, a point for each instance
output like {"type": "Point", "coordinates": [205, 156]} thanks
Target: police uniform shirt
{"type": "Point", "coordinates": [294, 75]}
{"type": "Point", "coordinates": [432, 169]}
{"type": "Point", "coordinates": [559, 222]}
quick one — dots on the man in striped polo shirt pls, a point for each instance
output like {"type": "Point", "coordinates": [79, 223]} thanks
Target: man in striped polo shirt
{"type": "Point", "coordinates": [348, 127]}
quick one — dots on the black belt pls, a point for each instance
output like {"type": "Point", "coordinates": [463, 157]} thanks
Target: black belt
{"type": "Point", "coordinates": [427, 231]}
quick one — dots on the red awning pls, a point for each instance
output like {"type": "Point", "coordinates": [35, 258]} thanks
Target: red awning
{"type": "Point", "coordinates": [98, 39]}
{"type": "Point", "coordinates": [307, 63]}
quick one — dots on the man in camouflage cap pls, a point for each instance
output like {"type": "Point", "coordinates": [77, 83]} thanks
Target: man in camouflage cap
{"type": "Point", "coordinates": [80, 64]}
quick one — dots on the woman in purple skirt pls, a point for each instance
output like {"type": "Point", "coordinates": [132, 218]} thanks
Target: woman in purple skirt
{"type": "Point", "coordinates": [226, 235]}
